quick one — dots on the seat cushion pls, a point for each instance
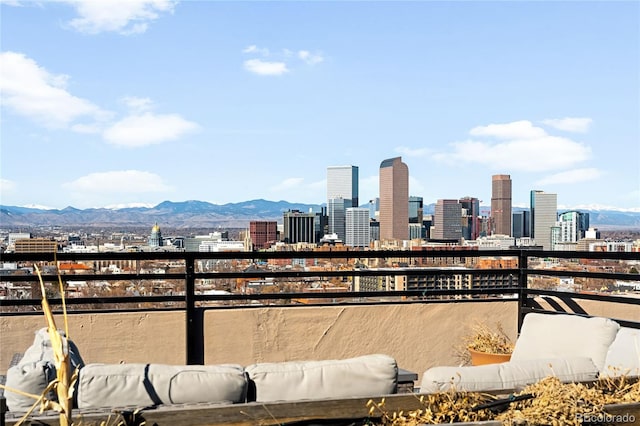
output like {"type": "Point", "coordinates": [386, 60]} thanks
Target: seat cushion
{"type": "Point", "coordinates": [623, 356]}
{"type": "Point", "coordinates": [143, 385]}
{"type": "Point", "coordinates": [296, 380]}
{"type": "Point", "coordinates": [511, 375]}
{"type": "Point", "coordinates": [564, 336]}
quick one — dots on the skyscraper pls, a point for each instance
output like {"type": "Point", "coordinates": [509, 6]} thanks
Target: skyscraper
{"type": "Point", "coordinates": [573, 226]}
{"type": "Point", "coordinates": [471, 218]}
{"type": "Point", "coordinates": [501, 204]}
{"type": "Point", "coordinates": [357, 227]}
{"type": "Point", "coordinates": [342, 193]}
{"type": "Point", "coordinates": [544, 214]}
{"type": "Point", "coordinates": [521, 224]}
{"type": "Point", "coordinates": [447, 220]}
{"type": "Point", "coordinates": [342, 182]}
{"type": "Point", "coordinates": [394, 199]}
{"type": "Point", "coordinates": [336, 209]}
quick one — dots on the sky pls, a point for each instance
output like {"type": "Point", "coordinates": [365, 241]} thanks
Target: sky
{"type": "Point", "coordinates": [131, 103]}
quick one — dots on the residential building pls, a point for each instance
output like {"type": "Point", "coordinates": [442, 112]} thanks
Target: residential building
{"type": "Point", "coordinates": [573, 226]}
{"type": "Point", "coordinates": [544, 214]}
{"type": "Point", "coordinates": [394, 199]}
{"type": "Point", "coordinates": [501, 204]}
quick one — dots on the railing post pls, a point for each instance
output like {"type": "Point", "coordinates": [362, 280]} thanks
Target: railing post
{"type": "Point", "coordinates": [523, 259]}
{"type": "Point", "coordinates": [3, 409]}
{"type": "Point", "coordinates": [194, 316]}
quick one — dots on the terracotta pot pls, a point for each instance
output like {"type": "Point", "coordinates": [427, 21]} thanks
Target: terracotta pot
{"type": "Point", "coordinates": [482, 358]}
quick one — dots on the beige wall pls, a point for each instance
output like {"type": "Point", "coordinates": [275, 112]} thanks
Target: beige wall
{"type": "Point", "coordinates": [417, 335]}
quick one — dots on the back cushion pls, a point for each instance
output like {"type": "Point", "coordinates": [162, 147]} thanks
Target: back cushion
{"type": "Point", "coordinates": [565, 336]}
{"type": "Point", "coordinates": [623, 357]}
{"type": "Point", "coordinates": [36, 369]}
{"type": "Point", "coordinates": [289, 381]}
{"type": "Point", "coordinates": [142, 385]}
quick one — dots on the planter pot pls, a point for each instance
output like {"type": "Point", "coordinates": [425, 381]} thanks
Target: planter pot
{"type": "Point", "coordinates": [482, 358]}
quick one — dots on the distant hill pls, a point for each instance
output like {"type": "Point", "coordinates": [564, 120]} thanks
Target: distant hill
{"type": "Point", "coordinates": [193, 214]}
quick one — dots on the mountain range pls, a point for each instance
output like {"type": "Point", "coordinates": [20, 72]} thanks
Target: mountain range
{"type": "Point", "coordinates": [193, 213]}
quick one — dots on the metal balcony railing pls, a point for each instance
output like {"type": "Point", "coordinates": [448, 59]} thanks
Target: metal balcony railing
{"type": "Point", "coordinates": [514, 282]}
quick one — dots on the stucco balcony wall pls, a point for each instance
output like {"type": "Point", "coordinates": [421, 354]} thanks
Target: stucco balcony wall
{"type": "Point", "coordinates": [417, 335]}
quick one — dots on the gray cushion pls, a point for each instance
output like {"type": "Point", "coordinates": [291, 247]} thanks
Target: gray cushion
{"type": "Point", "coordinates": [143, 385]}
{"type": "Point", "coordinates": [296, 380]}
{"type": "Point", "coordinates": [507, 375]}
{"type": "Point", "coordinates": [564, 336]}
{"type": "Point", "coordinates": [36, 370]}
{"type": "Point", "coordinates": [623, 356]}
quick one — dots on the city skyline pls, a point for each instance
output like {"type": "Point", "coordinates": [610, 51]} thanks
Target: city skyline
{"type": "Point", "coordinates": [227, 102]}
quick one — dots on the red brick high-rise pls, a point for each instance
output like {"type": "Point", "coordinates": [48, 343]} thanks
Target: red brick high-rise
{"type": "Point", "coordinates": [263, 233]}
{"type": "Point", "coordinates": [501, 204]}
{"type": "Point", "coordinates": [394, 200]}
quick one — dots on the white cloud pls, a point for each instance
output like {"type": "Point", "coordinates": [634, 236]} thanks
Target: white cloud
{"type": "Point", "coordinates": [569, 124]}
{"type": "Point", "coordinates": [148, 129]}
{"type": "Point", "coordinates": [541, 154]}
{"type": "Point", "coordinates": [121, 16]}
{"type": "Point", "coordinates": [255, 49]}
{"type": "Point", "coordinates": [31, 91]}
{"type": "Point", "coordinates": [119, 182]}
{"type": "Point", "coordinates": [260, 67]}
{"type": "Point", "coordinates": [310, 58]}
{"type": "Point", "coordinates": [413, 152]}
{"type": "Point", "coordinates": [519, 146]}
{"type": "Point", "coordinates": [523, 129]}
{"type": "Point", "coordinates": [571, 176]}
{"type": "Point", "coordinates": [136, 104]}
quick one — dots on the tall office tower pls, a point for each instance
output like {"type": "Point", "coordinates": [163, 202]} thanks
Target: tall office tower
{"type": "Point", "coordinates": [520, 224]}
{"type": "Point", "coordinates": [416, 209]}
{"type": "Point", "coordinates": [471, 214]}
{"type": "Point", "coordinates": [336, 209]}
{"type": "Point", "coordinates": [358, 233]}
{"type": "Point", "coordinates": [342, 193]}
{"type": "Point", "coordinates": [544, 214]}
{"type": "Point", "coordinates": [263, 233]}
{"type": "Point", "coordinates": [394, 199]}
{"type": "Point", "coordinates": [447, 220]}
{"type": "Point", "coordinates": [573, 226]}
{"type": "Point", "coordinates": [300, 227]}
{"type": "Point", "coordinates": [342, 182]}
{"type": "Point", "coordinates": [501, 204]}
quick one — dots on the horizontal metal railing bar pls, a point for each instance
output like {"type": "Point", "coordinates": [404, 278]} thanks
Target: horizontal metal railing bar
{"type": "Point", "coordinates": [265, 296]}
{"type": "Point", "coordinates": [586, 296]}
{"type": "Point", "coordinates": [411, 271]}
{"type": "Point", "coordinates": [309, 254]}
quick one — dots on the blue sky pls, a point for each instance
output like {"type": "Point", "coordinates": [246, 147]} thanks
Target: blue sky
{"type": "Point", "coordinates": [115, 103]}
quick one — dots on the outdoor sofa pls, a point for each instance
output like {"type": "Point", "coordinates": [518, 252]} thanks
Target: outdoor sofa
{"type": "Point", "coordinates": [135, 386]}
{"type": "Point", "coordinates": [569, 347]}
